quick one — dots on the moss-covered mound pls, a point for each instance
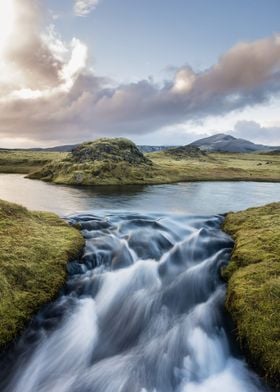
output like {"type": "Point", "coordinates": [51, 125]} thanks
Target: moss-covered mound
{"type": "Point", "coordinates": [116, 150]}
{"type": "Point", "coordinates": [104, 161]}
{"type": "Point", "coordinates": [34, 250]}
{"type": "Point", "coordinates": [185, 152]}
{"type": "Point", "coordinates": [120, 162]}
{"type": "Point", "coordinates": [253, 275]}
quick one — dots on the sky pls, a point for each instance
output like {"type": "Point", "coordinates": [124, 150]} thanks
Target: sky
{"type": "Point", "coordinates": [155, 71]}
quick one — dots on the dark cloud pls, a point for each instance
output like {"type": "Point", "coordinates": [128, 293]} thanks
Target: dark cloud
{"type": "Point", "coordinates": [257, 133]}
{"type": "Point", "coordinates": [82, 106]}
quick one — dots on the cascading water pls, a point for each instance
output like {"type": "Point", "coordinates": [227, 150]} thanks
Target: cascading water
{"type": "Point", "coordinates": [141, 312]}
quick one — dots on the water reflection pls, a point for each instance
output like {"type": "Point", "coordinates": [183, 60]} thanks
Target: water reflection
{"type": "Point", "coordinates": [197, 197]}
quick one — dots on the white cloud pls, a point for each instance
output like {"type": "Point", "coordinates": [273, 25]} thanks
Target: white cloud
{"type": "Point", "coordinates": [84, 7]}
{"type": "Point", "coordinates": [76, 64]}
{"type": "Point", "coordinates": [37, 64]}
{"type": "Point", "coordinates": [7, 21]}
{"type": "Point", "coordinates": [184, 79]}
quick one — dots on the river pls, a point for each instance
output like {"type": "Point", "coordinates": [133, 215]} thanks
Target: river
{"type": "Point", "coordinates": [142, 311]}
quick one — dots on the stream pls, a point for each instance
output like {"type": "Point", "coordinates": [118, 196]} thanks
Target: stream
{"type": "Point", "coordinates": [142, 311]}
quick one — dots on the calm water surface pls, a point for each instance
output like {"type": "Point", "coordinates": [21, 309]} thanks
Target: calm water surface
{"type": "Point", "coordinates": [197, 197]}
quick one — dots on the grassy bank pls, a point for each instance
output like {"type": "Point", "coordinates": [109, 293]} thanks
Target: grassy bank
{"type": "Point", "coordinates": [119, 163]}
{"type": "Point", "coordinates": [34, 250]}
{"type": "Point", "coordinates": [19, 161]}
{"type": "Point", "coordinates": [213, 167]}
{"type": "Point", "coordinates": [163, 167]}
{"type": "Point", "coordinates": [253, 275]}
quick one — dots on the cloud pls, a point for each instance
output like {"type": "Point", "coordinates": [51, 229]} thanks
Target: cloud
{"type": "Point", "coordinates": [35, 64]}
{"type": "Point", "coordinates": [53, 95]}
{"type": "Point", "coordinates": [26, 58]}
{"type": "Point", "coordinates": [257, 133]}
{"type": "Point", "coordinates": [84, 7]}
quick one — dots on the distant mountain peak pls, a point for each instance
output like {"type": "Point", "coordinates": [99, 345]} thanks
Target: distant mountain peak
{"type": "Point", "coordinates": [226, 136]}
{"type": "Point", "coordinates": [224, 142]}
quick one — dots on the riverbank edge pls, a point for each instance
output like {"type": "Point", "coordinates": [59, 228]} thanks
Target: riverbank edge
{"type": "Point", "coordinates": [154, 182]}
{"type": "Point", "coordinates": [253, 290]}
{"type": "Point", "coordinates": [153, 168]}
{"type": "Point", "coordinates": [35, 248]}
{"type": "Point", "coordinates": [166, 172]}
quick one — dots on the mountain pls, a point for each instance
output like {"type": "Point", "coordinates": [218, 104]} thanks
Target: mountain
{"type": "Point", "coordinates": [227, 143]}
{"type": "Point", "coordinates": [147, 148]}
{"type": "Point", "coordinates": [64, 148]}
{"type": "Point", "coordinates": [70, 147]}
{"type": "Point", "coordinates": [143, 149]}
{"type": "Point", "coordinates": [220, 142]}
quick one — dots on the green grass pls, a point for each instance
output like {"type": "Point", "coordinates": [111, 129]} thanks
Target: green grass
{"type": "Point", "coordinates": [34, 250]}
{"type": "Point", "coordinates": [218, 167]}
{"type": "Point", "coordinates": [213, 167]}
{"type": "Point", "coordinates": [253, 296]}
{"type": "Point", "coordinates": [112, 169]}
{"type": "Point", "coordinates": [19, 161]}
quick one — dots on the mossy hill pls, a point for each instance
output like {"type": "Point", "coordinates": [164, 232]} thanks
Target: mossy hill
{"type": "Point", "coordinates": [116, 150]}
{"type": "Point", "coordinates": [104, 161]}
{"type": "Point", "coordinates": [184, 152]}
{"type": "Point", "coordinates": [119, 162]}
{"type": "Point", "coordinates": [34, 250]}
{"type": "Point", "coordinates": [253, 296]}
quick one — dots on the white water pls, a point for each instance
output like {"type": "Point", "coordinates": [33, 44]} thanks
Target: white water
{"type": "Point", "coordinates": [142, 313]}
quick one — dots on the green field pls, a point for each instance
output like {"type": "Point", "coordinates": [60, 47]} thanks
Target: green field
{"type": "Point", "coordinates": [34, 250]}
{"type": "Point", "coordinates": [20, 161]}
{"type": "Point", "coordinates": [165, 168]}
{"type": "Point", "coordinates": [219, 166]}
{"type": "Point", "coordinates": [253, 295]}
{"type": "Point", "coordinates": [213, 167]}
